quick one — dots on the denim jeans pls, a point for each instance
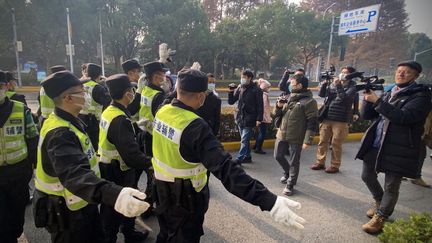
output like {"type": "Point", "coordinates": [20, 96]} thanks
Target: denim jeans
{"type": "Point", "coordinates": [261, 136]}
{"type": "Point", "coordinates": [246, 134]}
{"type": "Point", "coordinates": [387, 196]}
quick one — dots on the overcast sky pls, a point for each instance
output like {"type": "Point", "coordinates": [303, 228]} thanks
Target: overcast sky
{"type": "Point", "coordinates": [419, 14]}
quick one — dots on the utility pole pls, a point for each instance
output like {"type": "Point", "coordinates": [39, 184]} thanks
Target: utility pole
{"type": "Point", "coordinates": [101, 43]}
{"type": "Point", "coordinates": [70, 40]}
{"type": "Point", "coordinates": [15, 40]}
{"type": "Point", "coordinates": [330, 42]}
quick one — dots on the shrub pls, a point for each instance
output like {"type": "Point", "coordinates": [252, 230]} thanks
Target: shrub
{"type": "Point", "coordinates": [418, 228]}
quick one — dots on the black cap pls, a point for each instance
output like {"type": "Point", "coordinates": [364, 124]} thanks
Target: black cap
{"type": "Point", "coordinates": [117, 85]}
{"type": "Point", "coordinates": [130, 64]}
{"type": "Point", "coordinates": [192, 80]}
{"type": "Point", "coordinates": [58, 82]}
{"type": "Point", "coordinates": [412, 64]}
{"type": "Point", "coordinates": [10, 76]}
{"type": "Point", "coordinates": [3, 77]}
{"type": "Point", "coordinates": [152, 67]}
{"type": "Point", "coordinates": [302, 80]}
{"type": "Point", "coordinates": [93, 70]}
{"type": "Point", "coordinates": [57, 68]}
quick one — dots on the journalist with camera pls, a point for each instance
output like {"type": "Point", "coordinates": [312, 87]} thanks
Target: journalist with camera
{"type": "Point", "coordinates": [393, 143]}
{"type": "Point", "coordinates": [335, 116]}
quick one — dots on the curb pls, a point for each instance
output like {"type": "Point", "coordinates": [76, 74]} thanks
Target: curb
{"type": "Point", "coordinates": [269, 143]}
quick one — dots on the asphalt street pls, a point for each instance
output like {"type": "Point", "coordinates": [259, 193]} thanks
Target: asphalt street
{"type": "Point", "coordinates": [334, 205]}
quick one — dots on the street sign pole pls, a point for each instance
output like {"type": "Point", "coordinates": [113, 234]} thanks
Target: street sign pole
{"type": "Point", "coordinates": [70, 40]}
{"type": "Point", "coordinates": [15, 40]}
{"type": "Point", "coordinates": [330, 42]}
{"type": "Point", "coordinates": [101, 43]}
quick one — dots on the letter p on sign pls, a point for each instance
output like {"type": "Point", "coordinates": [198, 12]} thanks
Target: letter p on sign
{"type": "Point", "coordinates": [371, 14]}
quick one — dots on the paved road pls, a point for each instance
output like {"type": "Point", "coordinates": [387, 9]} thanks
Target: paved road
{"type": "Point", "coordinates": [333, 205]}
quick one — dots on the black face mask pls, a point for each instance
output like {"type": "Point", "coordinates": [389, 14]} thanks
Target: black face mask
{"type": "Point", "coordinates": [404, 84]}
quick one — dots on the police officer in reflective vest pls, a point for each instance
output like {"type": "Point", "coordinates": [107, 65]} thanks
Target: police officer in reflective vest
{"type": "Point", "coordinates": [120, 155]}
{"type": "Point", "coordinates": [46, 105]}
{"type": "Point", "coordinates": [11, 93]}
{"type": "Point", "coordinates": [68, 183]}
{"type": "Point", "coordinates": [184, 148]}
{"type": "Point", "coordinates": [132, 69]}
{"type": "Point", "coordinates": [18, 145]}
{"type": "Point", "coordinates": [97, 99]}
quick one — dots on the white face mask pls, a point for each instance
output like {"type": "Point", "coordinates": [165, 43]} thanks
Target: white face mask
{"type": "Point", "coordinates": [87, 100]}
{"type": "Point", "coordinates": [342, 76]}
{"type": "Point", "coordinates": [202, 103]}
{"type": "Point", "coordinates": [130, 96]}
{"type": "Point", "coordinates": [211, 86]}
{"type": "Point", "coordinates": [2, 95]}
{"type": "Point", "coordinates": [243, 81]}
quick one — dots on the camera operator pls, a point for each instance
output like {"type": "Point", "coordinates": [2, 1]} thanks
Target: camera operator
{"type": "Point", "coordinates": [284, 83]}
{"type": "Point", "coordinates": [249, 111]}
{"type": "Point", "coordinates": [340, 95]}
{"type": "Point", "coordinates": [393, 143]}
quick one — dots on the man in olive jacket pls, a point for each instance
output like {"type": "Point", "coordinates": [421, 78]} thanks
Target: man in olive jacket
{"type": "Point", "coordinates": [299, 124]}
{"type": "Point", "coordinates": [393, 142]}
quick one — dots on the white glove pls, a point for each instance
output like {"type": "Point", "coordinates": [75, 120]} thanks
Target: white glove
{"type": "Point", "coordinates": [282, 214]}
{"type": "Point", "coordinates": [196, 66]}
{"type": "Point", "coordinates": [141, 83]}
{"type": "Point", "coordinates": [163, 53]}
{"type": "Point", "coordinates": [129, 202]}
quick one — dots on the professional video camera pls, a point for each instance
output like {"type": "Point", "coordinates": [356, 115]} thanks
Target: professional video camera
{"type": "Point", "coordinates": [283, 99]}
{"type": "Point", "coordinates": [328, 75]}
{"type": "Point", "coordinates": [370, 83]}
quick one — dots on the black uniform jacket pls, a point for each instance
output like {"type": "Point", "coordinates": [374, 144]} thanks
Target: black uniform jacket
{"type": "Point", "coordinates": [199, 144]}
{"type": "Point", "coordinates": [63, 157]}
{"type": "Point", "coordinates": [121, 133]}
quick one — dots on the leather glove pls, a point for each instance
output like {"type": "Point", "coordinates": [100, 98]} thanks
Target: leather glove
{"type": "Point", "coordinates": [282, 213]}
{"type": "Point", "coordinates": [163, 53]}
{"type": "Point", "coordinates": [196, 66]}
{"type": "Point", "coordinates": [130, 202]}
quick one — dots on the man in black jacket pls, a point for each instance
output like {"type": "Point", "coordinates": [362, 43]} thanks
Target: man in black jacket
{"type": "Point", "coordinates": [211, 109]}
{"type": "Point", "coordinates": [284, 83]}
{"type": "Point", "coordinates": [393, 142]}
{"type": "Point", "coordinates": [249, 111]}
{"type": "Point", "coordinates": [340, 95]}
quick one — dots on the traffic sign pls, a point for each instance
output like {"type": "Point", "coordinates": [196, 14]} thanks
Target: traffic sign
{"type": "Point", "coordinates": [68, 50]}
{"type": "Point", "coordinates": [361, 20]}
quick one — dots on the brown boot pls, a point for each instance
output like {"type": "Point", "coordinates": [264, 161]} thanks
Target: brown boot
{"type": "Point", "coordinates": [371, 211]}
{"type": "Point", "coordinates": [375, 225]}
{"type": "Point", "coordinates": [317, 166]}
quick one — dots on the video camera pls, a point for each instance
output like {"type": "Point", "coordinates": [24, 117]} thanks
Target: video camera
{"type": "Point", "coordinates": [370, 83]}
{"type": "Point", "coordinates": [171, 53]}
{"type": "Point", "coordinates": [328, 75]}
{"type": "Point", "coordinates": [283, 99]}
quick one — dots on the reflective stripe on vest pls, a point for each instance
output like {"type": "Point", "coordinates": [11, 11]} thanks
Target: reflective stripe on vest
{"type": "Point", "coordinates": [107, 151]}
{"type": "Point", "coordinates": [146, 117]}
{"type": "Point", "coordinates": [46, 103]}
{"type": "Point", "coordinates": [167, 160]}
{"type": "Point", "coordinates": [13, 148]}
{"type": "Point", "coordinates": [93, 107]}
{"type": "Point", "coordinates": [52, 185]}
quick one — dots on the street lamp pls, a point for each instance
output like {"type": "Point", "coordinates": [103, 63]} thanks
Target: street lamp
{"type": "Point", "coordinates": [419, 53]}
{"type": "Point", "coordinates": [331, 34]}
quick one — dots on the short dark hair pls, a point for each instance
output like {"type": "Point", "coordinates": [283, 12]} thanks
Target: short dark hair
{"type": "Point", "coordinates": [301, 79]}
{"type": "Point", "coordinates": [300, 70]}
{"type": "Point", "coordinates": [210, 75]}
{"type": "Point", "coordinates": [349, 68]}
{"type": "Point", "coordinates": [248, 73]}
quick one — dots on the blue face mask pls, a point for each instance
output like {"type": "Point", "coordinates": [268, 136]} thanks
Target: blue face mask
{"type": "Point", "coordinates": [243, 81]}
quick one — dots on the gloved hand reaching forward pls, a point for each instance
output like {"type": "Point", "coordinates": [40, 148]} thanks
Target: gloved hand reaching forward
{"type": "Point", "coordinates": [130, 202]}
{"type": "Point", "coordinates": [196, 66]}
{"type": "Point", "coordinates": [163, 53]}
{"type": "Point", "coordinates": [282, 213]}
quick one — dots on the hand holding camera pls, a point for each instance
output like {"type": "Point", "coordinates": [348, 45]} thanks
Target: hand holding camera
{"type": "Point", "coordinates": [232, 86]}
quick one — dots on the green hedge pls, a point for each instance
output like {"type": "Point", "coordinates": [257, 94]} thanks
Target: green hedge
{"type": "Point", "coordinates": [418, 228]}
{"type": "Point", "coordinates": [229, 132]}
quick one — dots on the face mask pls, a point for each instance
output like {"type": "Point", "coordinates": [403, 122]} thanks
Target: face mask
{"type": "Point", "coordinates": [342, 76]}
{"type": "Point", "coordinates": [130, 96]}
{"type": "Point", "coordinates": [87, 100]}
{"type": "Point", "coordinates": [243, 81]}
{"type": "Point", "coordinates": [165, 86]}
{"type": "Point", "coordinates": [203, 100]}
{"type": "Point", "coordinates": [2, 94]}
{"type": "Point", "coordinates": [211, 87]}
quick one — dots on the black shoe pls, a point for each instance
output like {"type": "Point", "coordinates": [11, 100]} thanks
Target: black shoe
{"type": "Point", "coordinates": [259, 151]}
{"type": "Point", "coordinates": [135, 236]}
{"type": "Point", "coordinates": [284, 179]}
{"type": "Point", "coordinates": [246, 160]}
{"type": "Point", "coordinates": [289, 190]}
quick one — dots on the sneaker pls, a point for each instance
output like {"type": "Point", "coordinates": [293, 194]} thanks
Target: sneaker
{"type": "Point", "coordinates": [420, 182]}
{"type": "Point", "coordinates": [375, 225]}
{"type": "Point", "coordinates": [317, 166]}
{"type": "Point", "coordinates": [135, 236]}
{"type": "Point", "coordinates": [371, 211]}
{"type": "Point", "coordinates": [332, 170]}
{"type": "Point", "coordinates": [284, 179]}
{"type": "Point", "coordinates": [259, 152]}
{"type": "Point", "coordinates": [289, 190]}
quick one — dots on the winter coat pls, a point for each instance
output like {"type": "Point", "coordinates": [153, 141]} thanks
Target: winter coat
{"type": "Point", "coordinates": [249, 106]}
{"type": "Point", "coordinates": [340, 98]}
